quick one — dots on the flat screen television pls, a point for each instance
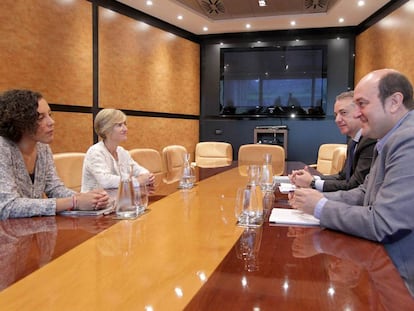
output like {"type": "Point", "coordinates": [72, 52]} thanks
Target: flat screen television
{"type": "Point", "coordinates": [281, 81]}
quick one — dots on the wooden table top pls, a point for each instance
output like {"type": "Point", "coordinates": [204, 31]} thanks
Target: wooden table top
{"type": "Point", "coordinates": [187, 253]}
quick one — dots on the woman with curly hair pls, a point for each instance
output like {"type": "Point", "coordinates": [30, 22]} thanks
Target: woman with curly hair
{"type": "Point", "coordinates": [26, 161]}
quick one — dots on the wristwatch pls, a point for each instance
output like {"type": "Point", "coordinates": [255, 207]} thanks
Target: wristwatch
{"type": "Point", "coordinates": [312, 184]}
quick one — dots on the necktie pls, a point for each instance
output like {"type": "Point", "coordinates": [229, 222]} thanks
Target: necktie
{"type": "Point", "coordinates": [350, 159]}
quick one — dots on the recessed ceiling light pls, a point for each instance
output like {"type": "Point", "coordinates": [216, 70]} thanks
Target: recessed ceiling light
{"type": "Point", "coordinates": [180, 17]}
{"type": "Point", "coordinates": [361, 3]}
{"type": "Point", "coordinates": [248, 26]}
{"type": "Point", "coordinates": [292, 23]}
{"type": "Point", "coordinates": [149, 2]}
{"type": "Point", "coordinates": [205, 28]}
{"type": "Point", "coordinates": [341, 20]}
{"type": "Point", "coordinates": [262, 2]}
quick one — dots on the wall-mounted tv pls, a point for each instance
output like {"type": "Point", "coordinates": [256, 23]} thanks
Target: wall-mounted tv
{"type": "Point", "coordinates": [284, 81]}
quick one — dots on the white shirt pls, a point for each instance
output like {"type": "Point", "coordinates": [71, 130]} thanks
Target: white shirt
{"type": "Point", "coordinates": [101, 170]}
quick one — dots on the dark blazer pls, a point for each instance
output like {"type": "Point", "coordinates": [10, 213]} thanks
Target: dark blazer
{"type": "Point", "coordinates": [360, 168]}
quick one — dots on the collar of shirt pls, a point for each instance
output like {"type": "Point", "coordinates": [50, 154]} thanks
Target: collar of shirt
{"type": "Point", "coordinates": [357, 136]}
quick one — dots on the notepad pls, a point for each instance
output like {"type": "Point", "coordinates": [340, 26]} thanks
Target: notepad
{"type": "Point", "coordinates": [99, 212]}
{"type": "Point", "coordinates": [289, 216]}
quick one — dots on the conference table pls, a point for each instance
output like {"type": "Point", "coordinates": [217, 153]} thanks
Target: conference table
{"type": "Point", "coordinates": [187, 253]}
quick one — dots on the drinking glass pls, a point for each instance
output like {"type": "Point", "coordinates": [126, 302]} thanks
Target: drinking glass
{"type": "Point", "coordinates": [240, 208]}
{"type": "Point", "coordinates": [125, 205]}
{"type": "Point", "coordinates": [188, 177]}
{"type": "Point", "coordinates": [141, 198]}
{"type": "Point", "coordinates": [266, 177]}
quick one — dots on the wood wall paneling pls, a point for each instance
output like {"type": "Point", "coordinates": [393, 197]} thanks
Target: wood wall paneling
{"type": "Point", "coordinates": [144, 68]}
{"type": "Point", "coordinates": [73, 132]}
{"type": "Point", "coordinates": [156, 133]}
{"type": "Point", "coordinates": [388, 44]}
{"type": "Point", "coordinates": [46, 45]}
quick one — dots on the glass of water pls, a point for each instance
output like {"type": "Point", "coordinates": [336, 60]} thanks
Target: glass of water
{"type": "Point", "coordinates": [141, 198]}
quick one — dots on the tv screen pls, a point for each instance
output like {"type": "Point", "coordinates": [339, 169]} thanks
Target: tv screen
{"type": "Point", "coordinates": [285, 81]}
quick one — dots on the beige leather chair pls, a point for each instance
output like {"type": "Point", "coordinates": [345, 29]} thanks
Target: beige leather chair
{"type": "Point", "coordinates": [213, 154]}
{"type": "Point", "coordinates": [173, 162]}
{"type": "Point", "coordinates": [338, 159]}
{"type": "Point", "coordinates": [254, 154]}
{"type": "Point", "coordinates": [69, 167]}
{"type": "Point", "coordinates": [325, 155]}
{"type": "Point", "coordinates": [151, 160]}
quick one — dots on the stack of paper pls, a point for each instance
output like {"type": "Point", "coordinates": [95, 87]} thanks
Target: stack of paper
{"type": "Point", "coordinates": [289, 216]}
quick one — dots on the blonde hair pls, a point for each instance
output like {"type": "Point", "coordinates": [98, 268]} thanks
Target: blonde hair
{"type": "Point", "coordinates": [106, 119]}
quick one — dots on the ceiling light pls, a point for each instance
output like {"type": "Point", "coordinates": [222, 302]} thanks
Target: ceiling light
{"type": "Point", "coordinates": [149, 2]}
{"type": "Point", "coordinates": [205, 28]}
{"type": "Point", "coordinates": [292, 23]}
{"type": "Point", "coordinates": [341, 20]}
{"type": "Point", "coordinates": [262, 3]}
{"type": "Point", "coordinates": [180, 17]}
{"type": "Point", "coordinates": [248, 26]}
{"type": "Point", "coordinates": [361, 3]}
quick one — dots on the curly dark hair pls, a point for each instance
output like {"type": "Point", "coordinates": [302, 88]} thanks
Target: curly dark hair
{"type": "Point", "coordinates": [18, 113]}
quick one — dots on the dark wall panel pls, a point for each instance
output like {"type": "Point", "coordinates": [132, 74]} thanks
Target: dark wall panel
{"type": "Point", "coordinates": [305, 135]}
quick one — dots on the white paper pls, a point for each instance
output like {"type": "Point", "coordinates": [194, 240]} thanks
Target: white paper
{"type": "Point", "coordinates": [289, 216]}
{"type": "Point", "coordinates": [281, 179]}
{"type": "Point", "coordinates": [286, 187]}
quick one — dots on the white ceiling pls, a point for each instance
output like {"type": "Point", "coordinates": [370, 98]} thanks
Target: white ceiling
{"type": "Point", "coordinates": [278, 15]}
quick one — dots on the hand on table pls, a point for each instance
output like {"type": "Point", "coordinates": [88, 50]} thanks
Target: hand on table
{"type": "Point", "coordinates": [92, 200]}
{"type": "Point", "coordinates": [305, 199]}
{"type": "Point", "coordinates": [301, 178]}
{"type": "Point", "coordinates": [148, 180]}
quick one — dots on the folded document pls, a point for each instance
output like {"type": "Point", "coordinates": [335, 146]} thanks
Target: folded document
{"type": "Point", "coordinates": [289, 216]}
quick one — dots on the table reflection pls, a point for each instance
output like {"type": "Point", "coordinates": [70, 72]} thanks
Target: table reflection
{"type": "Point", "coordinates": [248, 248]}
{"type": "Point", "coordinates": [25, 245]}
{"type": "Point", "coordinates": [355, 266]}
{"type": "Point", "coordinates": [299, 267]}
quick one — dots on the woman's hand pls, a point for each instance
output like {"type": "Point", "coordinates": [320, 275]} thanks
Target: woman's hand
{"type": "Point", "coordinates": [92, 200]}
{"type": "Point", "coordinates": [148, 180]}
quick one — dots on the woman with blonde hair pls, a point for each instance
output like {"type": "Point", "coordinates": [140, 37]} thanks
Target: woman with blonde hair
{"type": "Point", "coordinates": [105, 159]}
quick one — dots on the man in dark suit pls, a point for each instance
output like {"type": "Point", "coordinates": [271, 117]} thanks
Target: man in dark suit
{"type": "Point", "coordinates": [359, 156]}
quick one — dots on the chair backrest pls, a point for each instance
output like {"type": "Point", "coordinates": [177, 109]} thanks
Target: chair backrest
{"type": "Point", "coordinates": [213, 154]}
{"type": "Point", "coordinates": [325, 155]}
{"type": "Point", "coordinates": [338, 159]}
{"type": "Point", "coordinates": [69, 167]}
{"type": "Point", "coordinates": [254, 154]}
{"type": "Point", "coordinates": [173, 162]}
{"type": "Point", "coordinates": [151, 160]}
